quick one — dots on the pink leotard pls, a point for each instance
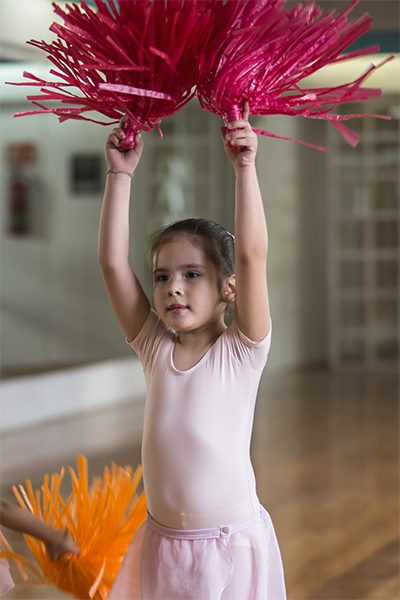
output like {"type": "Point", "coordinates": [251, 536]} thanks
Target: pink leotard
{"type": "Point", "coordinates": [197, 428]}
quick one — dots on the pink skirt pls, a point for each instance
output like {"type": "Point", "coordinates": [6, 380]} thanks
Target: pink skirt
{"type": "Point", "coordinates": [234, 562]}
{"type": "Point", "coordinates": [6, 582]}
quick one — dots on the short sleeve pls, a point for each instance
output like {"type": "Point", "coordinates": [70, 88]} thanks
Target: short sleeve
{"type": "Point", "coordinates": [250, 354]}
{"type": "Point", "coordinates": [149, 337]}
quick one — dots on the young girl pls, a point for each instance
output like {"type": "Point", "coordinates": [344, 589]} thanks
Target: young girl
{"type": "Point", "coordinates": [206, 536]}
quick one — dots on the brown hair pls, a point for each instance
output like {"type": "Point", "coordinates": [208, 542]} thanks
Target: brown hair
{"type": "Point", "coordinates": [217, 243]}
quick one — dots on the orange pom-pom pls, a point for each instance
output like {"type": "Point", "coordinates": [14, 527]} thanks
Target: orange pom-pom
{"type": "Point", "coordinates": [102, 519]}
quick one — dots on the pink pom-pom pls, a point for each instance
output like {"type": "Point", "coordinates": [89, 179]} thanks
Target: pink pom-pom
{"type": "Point", "coordinates": [144, 58]}
{"type": "Point", "coordinates": [261, 52]}
{"type": "Point", "coordinates": [138, 57]}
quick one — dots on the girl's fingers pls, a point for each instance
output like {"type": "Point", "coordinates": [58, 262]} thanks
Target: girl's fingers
{"type": "Point", "coordinates": [116, 136]}
{"type": "Point", "coordinates": [120, 133]}
{"type": "Point", "coordinates": [236, 124]}
{"type": "Point", "coordinates": [114, 140]}
{"type": "Point", "coordinates": [241, 138]}
{"type": "Point", "coordinates": [122, 121]}
{"type": "Point", "coordinates": [248, 145]}
{"type": "Point", "coordinates": [242, 124]}
{"type": "Point", "coordinates": [246, 112]}
{"type": "Point", "coordinates": [138, 140]}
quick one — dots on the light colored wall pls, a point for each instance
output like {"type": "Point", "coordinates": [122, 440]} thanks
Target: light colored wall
{"type": "Point", "coordinates": [292, 181]}
{"type": "Point", "coordinates": [22, 20]}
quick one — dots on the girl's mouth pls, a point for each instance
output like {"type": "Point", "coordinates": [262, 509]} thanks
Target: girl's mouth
{"type": "Point", "coordinates": [176, 308]}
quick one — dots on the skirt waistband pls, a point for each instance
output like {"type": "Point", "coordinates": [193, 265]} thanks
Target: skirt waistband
{"type": "Point", "coordinates": [202, 534]}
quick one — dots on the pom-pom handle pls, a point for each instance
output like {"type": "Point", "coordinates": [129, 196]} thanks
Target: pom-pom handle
{"type": "Point", "coordinates": [233, 114]}
{"type": "Point", "coordinates": [128, 143]}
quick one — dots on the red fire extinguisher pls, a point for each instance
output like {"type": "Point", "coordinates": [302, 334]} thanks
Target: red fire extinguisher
{"type": "Point", "coordinates": [18, 205]}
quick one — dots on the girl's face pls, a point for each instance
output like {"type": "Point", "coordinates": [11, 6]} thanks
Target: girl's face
{"type": "Point", "coordinates": [187, 294]}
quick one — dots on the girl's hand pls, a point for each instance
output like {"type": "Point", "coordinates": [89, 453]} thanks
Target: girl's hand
{"type": "Point", "coordinates": [242, 137]}
{"type": "Point", "coordinates": [122, 160]}
{"type": "Point", "coordinates": [61, 542]}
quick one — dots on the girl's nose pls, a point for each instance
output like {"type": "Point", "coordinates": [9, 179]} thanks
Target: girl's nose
{"type": "Point", "coordinates": [174, 288]}
{"type": "Point", "coordinates": [174, 291]}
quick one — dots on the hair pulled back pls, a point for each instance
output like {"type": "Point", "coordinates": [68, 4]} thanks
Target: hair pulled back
{"type": "Point", "coordinates": [217, 242]}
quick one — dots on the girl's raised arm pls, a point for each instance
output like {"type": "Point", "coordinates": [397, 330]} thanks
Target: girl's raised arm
{"type": "Point", "coordinates": [127, 297]}
{"type": "Point", "coordinates": [251, 239]}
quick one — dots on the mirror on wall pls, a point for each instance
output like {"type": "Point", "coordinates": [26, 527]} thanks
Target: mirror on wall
{"type": "Point", "coordinates": [54, 308]}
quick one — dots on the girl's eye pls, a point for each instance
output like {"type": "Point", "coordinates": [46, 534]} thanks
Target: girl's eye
{"type": "Point", "coordinates": [192, 275]}
{"type": "Point", "coordinates": [161, 278]}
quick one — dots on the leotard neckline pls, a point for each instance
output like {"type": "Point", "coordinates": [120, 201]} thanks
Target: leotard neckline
{"type": "Point", "coordinates": [174, 369]}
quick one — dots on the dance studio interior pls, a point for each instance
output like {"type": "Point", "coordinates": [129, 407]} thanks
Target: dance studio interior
{"type": "Point", "coordinates": [325, 443]}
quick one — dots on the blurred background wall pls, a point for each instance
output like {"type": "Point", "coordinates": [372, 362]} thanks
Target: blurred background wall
{"type": "Point", "coordinates": [54, 308]}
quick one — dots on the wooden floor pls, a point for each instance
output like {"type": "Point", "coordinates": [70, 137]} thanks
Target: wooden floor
{"type": "Point", "coordinates": [326, 455]}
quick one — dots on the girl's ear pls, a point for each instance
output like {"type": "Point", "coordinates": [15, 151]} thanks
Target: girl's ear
{"type": "Point", "coordinates": [229, 289]}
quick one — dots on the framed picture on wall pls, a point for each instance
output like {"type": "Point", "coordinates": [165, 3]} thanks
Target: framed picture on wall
{"type": "Point", "coordinates": [86, 173]}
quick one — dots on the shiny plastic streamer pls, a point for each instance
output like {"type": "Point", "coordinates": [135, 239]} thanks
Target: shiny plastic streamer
{"type": "Point", "coordinates": [261, 52]}
{"type": "Point", "coordinates": [102, 519]}
{"type": "Point", "coordinates": [147, 58]}
{"type": "Point", "coordinates": [155, 48]}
